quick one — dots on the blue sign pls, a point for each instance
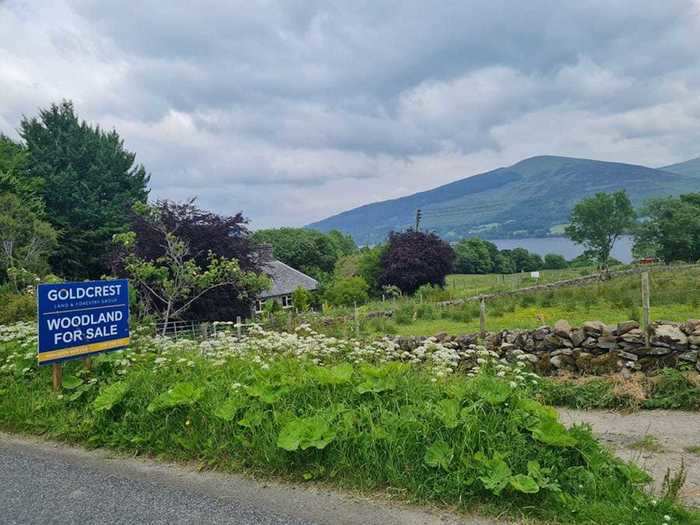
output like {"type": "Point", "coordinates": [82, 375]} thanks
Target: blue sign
{"type": "Point", "coordinates": [80, 319]}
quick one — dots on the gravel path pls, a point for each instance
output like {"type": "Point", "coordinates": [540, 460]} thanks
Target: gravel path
{"type": "Point", "coordinates": [665, 435]}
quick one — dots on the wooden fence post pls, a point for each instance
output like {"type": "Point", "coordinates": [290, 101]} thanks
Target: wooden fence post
{"type": "Point", "coordinates": [482, 317]}
{"type": "Point", "coordinates": [357, 322]}
{"type": "Point", "coordinates": [57, 376]}
{"type": "Point", "coordinates": [238, 326]}
{"type": "Point", "coordinates": [645, 307]}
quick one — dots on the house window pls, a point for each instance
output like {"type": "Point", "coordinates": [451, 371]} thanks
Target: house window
{"type": "Point", "coordinates": [286, 301]}
{"type": "Point", "coordinates": [258, 306]}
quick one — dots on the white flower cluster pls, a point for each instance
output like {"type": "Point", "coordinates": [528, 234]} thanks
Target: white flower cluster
{"type": "Point", "coordinates": [515, 372]}
{"type": "Point", "coordinates": [19, 340]}
{"type": "Point", "coordinates": [262, 347]}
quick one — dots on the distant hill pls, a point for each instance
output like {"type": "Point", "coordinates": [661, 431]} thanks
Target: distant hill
{"type": "Point", "coordinates": [532, 198]}
{"type": "Point", "coordinates": [689, 167]}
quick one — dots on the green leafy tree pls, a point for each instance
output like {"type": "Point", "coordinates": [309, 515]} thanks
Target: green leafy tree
{"type": "Point", "coordinates": [670, 229]}
{"type": "Point", "coordinates": [347, 291]}
{"type": "Point", "coordinates": [503, 262]}
{"type": "Point", "coordinates": [26, 242]}
{"type": "Point", "coordinates": [369, 267]}
{"type": "Point", "coordinates": [524, 261]}
{"type": "Point", "coordinates": [174, 281]}
{"type": "Point", "coordinates": [89, 183]}
{"type": "Point", "coordinates": [365, 263]}
{"type": "Point", "coordinates": [597, 222]}
{"type": "Point", "coordinates": [343, 243]}
{"type": "Point", "coordinates": [347, 266]}
{"type": "Point", "coordinates": [301, 299]}
{"type": "Point", "coordinates": [553, 261]}
{"type": "Point", "coordinates": [474, 256]}
{"type": "Point", "coordinates": [310, 251]}
{"type": "Point", "coordinates": [15, 177]}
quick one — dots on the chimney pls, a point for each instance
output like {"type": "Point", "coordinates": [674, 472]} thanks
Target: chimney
{"type": "Point", "coordinates": [264, 252]}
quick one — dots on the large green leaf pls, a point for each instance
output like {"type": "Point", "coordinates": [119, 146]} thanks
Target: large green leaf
{"type": "Point", "coordinates": [525, 484]}
{"type": "Point", "coordinates": [493, 391]}
{"type": "Point", "coordinates": [306, 432]}
{"type": "Point", "coordinates": [552, 433]}
{"type": "Point", "coordinates": [229, 408]}
{"type": "Point", "coordinates": [110, 396]}
{"type": "Point", "coordinates": [376, 380]}
{"type": "Point", "coordinates": [334, 375]}
{"type": "Point", "coordinates": [541, 476]}
{"type": "Point", "coordinates": [267, 393]}
{"type": "Point", "coordinates": [439, 454]}
{"type": "Point", "coordinates": [448, 412]}
{"type": "Point", "coordinates": [376, 385]}
{"type": "Point", "coordinates": [181, 394]}
{"type": "Point", "coordinates": [495, 473]}
{"type": "Point", "coordinates": [71, 382]}
{"type": "Point", "coordinates": [537, 409]}
{"type": "Point", "coordinates": [634, 474]}
{"type": "Point", "coordinates": [252, 418]}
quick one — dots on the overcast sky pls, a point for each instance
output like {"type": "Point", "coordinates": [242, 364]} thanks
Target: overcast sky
{"type": "Point", "coordinates": [292, 111]}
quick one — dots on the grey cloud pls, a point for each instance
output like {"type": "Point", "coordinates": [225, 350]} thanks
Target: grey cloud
{"type": "Point", "coordinates": [295, 110]}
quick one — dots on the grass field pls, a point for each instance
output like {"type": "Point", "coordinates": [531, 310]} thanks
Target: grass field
{"type": "Point", "coordinates": [675, 296]}
{"type": "Point", "coordinates": [461, 285]}
{"type": "Point", "coordinates": [533, 316]}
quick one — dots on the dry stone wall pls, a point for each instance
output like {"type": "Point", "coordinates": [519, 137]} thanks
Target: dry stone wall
{"type": "Point", "coordinates": [593, 348]}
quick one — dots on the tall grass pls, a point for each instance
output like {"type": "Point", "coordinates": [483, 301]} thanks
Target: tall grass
{"type": "Point", "coordinates": [675, 296]}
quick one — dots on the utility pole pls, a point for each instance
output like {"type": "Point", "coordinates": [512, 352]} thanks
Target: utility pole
{"type": "Point", "coordinates": [419, 215]}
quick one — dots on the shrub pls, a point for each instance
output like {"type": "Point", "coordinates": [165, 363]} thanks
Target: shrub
{"type": "Point", "coordinates": [404, 314]}
{"type": "Point", "coordinates": [301, 299]}
{"type": "Point", "coordinates": [467, 312]}
{"type": "Point", "coordinates": [17, 307]}
{"type": "Point", "coordinates": [672, 389]}
{"type": "Point", "coordinates": [425, 311]}
{"type": "Point", "coordinates": [433, 293]}
{"type": "Point", "coordinates": [553, 261]}
{"type": "Point", "coordinates": [347, 291]}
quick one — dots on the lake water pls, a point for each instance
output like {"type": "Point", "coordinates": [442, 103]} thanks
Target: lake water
{"type": "Point", "coordinates": [563, 246]}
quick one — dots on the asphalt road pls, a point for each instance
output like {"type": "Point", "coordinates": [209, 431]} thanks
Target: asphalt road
{"type": "Point", "coordinates": [53, 484]}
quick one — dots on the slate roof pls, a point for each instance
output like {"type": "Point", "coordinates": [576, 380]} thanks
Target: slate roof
{"type": "Point", "coordinates": [285, 279]}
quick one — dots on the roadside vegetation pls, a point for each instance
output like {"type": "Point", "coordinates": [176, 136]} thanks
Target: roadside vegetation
{"type": "Point", "coordinates": [670, 389]}
{"type": "Point", "coordinates": [307, 407]}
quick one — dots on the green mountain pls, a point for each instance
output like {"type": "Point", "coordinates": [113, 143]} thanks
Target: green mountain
{"type": "Point", "coordinates": [689, 167]}
{"type": "Point", "coordinates": [532, 198]}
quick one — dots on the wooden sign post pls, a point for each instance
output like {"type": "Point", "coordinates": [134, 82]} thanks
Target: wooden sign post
{"type": "Point", "coordinates": [57, 376]}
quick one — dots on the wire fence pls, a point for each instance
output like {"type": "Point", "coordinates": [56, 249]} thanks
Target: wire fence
{"type": "Point", "coordinates": [201, 330]}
